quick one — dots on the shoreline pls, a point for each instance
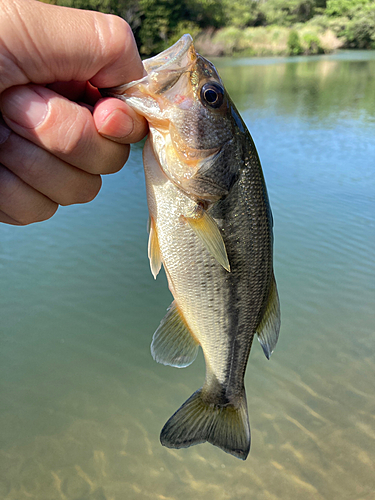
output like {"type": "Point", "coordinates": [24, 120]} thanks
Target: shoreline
{"type": "Point", "coordinates": [269, 41]}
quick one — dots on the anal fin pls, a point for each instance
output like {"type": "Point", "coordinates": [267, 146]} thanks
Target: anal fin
{"type": "Point", "coordinates": [173, 343]}
{"type": "Point", "coordinates": [269, 327]}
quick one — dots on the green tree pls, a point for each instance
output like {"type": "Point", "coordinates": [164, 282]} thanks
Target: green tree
{"type": "Point", "coordinates": [341, 8]}
{"type": "Point", "coordinates": [128, 9]}
{"type": "Point", "coordinates": [360, 29]}
{"type": "Point", "coordinates": [287, 13]}
{"type": "Point", "coordinates": [355, 21]}
{"type": "Point", "coordinates": [242, 13]}
{"type": "Point", "coordinates": [294, 44]}
{"type": "Point", "coordinates": [161, 20]}
{"type": "Point", "coordinates": [158, 23]}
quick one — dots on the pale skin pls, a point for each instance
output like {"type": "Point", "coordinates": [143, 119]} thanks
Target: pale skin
{"type": "Point", "coordinates": [57, 135]}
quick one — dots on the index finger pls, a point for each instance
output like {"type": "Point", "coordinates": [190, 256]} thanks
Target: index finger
{"type": "Point", "coordinates": [44, 43]}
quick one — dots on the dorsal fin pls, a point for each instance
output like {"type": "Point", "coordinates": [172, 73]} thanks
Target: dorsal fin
{"type": "Point", "coordinates": [173, 343]}
{"type": "Point", "coordinates": [269, 327]}
{"type": "Point", "coordinates": [209, 233]}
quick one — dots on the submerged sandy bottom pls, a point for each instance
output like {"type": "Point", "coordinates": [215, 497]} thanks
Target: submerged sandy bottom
{"type": "Point", "coordinates": [309, 442]}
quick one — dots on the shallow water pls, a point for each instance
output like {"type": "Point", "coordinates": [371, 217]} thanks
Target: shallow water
{"type": "Point", "coordinates": [82, 401]}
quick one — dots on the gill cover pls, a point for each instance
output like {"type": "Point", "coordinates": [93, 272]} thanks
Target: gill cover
{"type": "Point", "coordinates": [191, 125]}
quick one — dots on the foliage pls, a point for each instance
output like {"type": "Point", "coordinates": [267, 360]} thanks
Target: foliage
{"type": "Point", "coordinates": [182, 28]}
{"type": "Point", "coordinates": [353, 21]}
{"type": "Point", "coordinates": [339, 8]}
{"type": "Point", "coordinates": [159, 19]}
{"type": "Point", "coordinates": [312, 44]}
{"type": "Point", "coordinates": [266, 40]}
{"type": "Point", "coordinates": [230, 24]}
{"type": "Point", "coordinates": [243, 13]}
{"type": "Point", "coordinates": [163, 19]}
{"type": "Point", "coordinates": [102, 5]}
{"type": "Point", "coordinates": [360, 29]}
{"type": "Point", "coordinates": [287, 13]}
{"type": "Point", "coordinates": [294, 44]}
{"type": "Point", "coordinates": [128, 9]}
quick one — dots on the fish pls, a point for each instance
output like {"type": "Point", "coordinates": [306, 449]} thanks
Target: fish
{"type": "Point", "coordinates": [211, 228]}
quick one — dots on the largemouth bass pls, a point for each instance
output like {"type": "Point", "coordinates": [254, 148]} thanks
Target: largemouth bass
{"type": "Point", "coordinates": [211, 228]}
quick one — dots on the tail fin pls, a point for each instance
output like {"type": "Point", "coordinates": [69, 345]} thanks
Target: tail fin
{"type": "Point", "coordinates": [196, 421]}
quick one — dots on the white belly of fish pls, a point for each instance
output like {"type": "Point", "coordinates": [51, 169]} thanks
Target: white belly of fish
{"type": "Point", "coordinates": [196, 279]}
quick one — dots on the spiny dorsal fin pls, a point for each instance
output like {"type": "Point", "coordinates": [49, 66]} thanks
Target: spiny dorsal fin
{"type": "Point", "coordinates": [207, 230]}
{"type": "Point", "coordinates": [173, 343]}
{"type": "Point", "coordinates": [269, 327]}
{"type": "Point", "coordinates": [153, 248]}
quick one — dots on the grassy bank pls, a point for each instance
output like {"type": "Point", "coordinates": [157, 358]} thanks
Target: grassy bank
{"type": "Point", "coordinates": [266, 41]}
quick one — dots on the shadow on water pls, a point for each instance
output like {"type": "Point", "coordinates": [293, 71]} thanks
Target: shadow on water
{"type": "Point", "coordinates": [82, 402]}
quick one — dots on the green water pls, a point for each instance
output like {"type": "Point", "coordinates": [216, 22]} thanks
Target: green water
{"type": "Point", "coordinates": [82, 402]}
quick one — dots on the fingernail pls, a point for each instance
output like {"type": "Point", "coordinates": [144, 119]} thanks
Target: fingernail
{"type": "Point", "coordinates": [4, 131]}
{"type": "Point", "coordinates": [118, 125]}
{"type": "Point", "coordinates": [24, 106]}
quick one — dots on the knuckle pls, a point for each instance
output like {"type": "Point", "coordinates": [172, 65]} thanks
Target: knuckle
{"type": "Point", "coordinates": [46, 211]}
{"type": "Point", "coordinates": [5, 132]}
{"type": "Point", "coordinates": [10, 187]}
{"type": "Point", "coordinates": [77, 143]}
{"type": "Point", "coordinates": [84, 192]}
{"type": "Point", "coordinates": [37, 213]}
{"type": "Point", "coordinates": [91, 191]}
{"type": "Point", "coordinates": [70, 136]}
{"type": "Point", "coordinates": [31, 161]}
{"type": "Point", "coordinates": [123, 42]}
{"type": "Point", "coordinates": [114, 35]}
{"type": "Point", "coordinates": [120, 157]}
{"type": "Point", "coordinates": [24, 205]}
{"type": "Point", "coordinates": [140, 129]}
{"type": "Point", "coordinates": [121, 28]}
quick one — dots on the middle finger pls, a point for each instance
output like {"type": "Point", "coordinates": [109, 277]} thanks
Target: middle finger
{"type": "Point", "coordinates": [56, 179]}
{"type": "Point", "coordinates": [61, 127]}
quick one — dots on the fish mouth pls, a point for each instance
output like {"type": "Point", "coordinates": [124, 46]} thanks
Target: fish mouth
{"type": "Point", "coordinates": [162, 70]}
{"type": "Point", "coordinates": [174, 58]}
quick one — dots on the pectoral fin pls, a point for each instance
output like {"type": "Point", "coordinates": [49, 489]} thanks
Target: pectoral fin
{"type": "Point", "coordinates": [207, 230]}
{"type": "Point", "coordinates": [173, 343]}
{"type": "Point", "coordinates": [269, 327]}
{"type": "Point", "coordinates": [153, 248]}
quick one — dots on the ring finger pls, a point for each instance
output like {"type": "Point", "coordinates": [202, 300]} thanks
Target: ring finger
{"type": "Point", "coordinates": [44, 172]}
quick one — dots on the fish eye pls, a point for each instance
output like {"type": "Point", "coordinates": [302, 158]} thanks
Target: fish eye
{"type": "Point", "coordinates": [212, 94]}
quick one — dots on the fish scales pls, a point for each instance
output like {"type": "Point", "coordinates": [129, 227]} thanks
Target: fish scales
{"type": "Point", "coordinates": [249, 246]}
{"type": "Point", "coordinates": [211, 229]}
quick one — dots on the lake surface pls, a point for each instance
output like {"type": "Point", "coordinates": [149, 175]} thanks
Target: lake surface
{"type": "Point", "coordinates": [82, 402]}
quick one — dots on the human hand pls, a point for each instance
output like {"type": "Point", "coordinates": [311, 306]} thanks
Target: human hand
{"type": "Point", "coordinates": [52, 149]}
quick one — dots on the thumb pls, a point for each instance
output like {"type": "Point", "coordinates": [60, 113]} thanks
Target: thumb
{"type": "Point", "coordinates": [41, 43]}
